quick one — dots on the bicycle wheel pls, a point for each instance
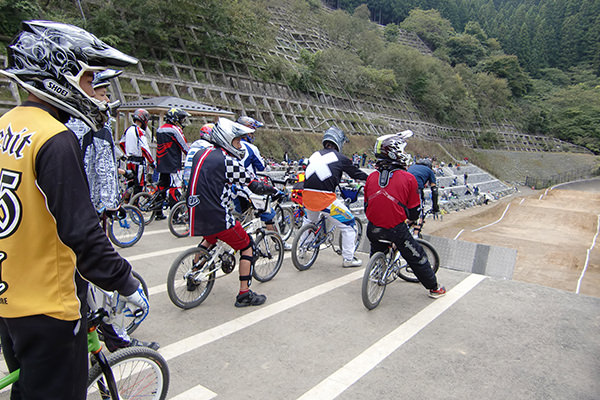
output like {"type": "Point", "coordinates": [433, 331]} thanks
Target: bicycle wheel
{"type": "Point", "coordinates": [284, 222]}
{"type": "Point", "coordinates": [305, 247]}
{"type": "Point", "coordinates": [190, 278]}
{"type": "Point", "coordinates": [406, 273]}
{"type": "Point", "coordinates": [269, 256]}
{"type": "Point", "coordinates": [143, 201]}
{"type": "Point", "coordinates": [359, 233]}
{"type": "Point", "coordinates": [179, 220]}
{"type": "Point", "coordinates": [131, 323]}
{"type": "Point", "coordinates": [126, 227]}
{"type": "Point", "coordinates": [140, 373]}
{"type": "Point", "coordinates": [373, 284]}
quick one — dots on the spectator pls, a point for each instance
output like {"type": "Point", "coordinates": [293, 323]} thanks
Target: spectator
{"type": "Point", "coordinates": [364, 159]}
{"type": "Point", "coordinates": [465, 177]}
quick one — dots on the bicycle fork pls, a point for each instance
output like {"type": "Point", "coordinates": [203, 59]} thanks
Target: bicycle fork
{"type": "Point", "coordinates": [110, 385]}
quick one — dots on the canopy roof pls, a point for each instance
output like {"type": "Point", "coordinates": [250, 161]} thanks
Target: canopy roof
{"type": "Point", "coordinates": [160, 105]}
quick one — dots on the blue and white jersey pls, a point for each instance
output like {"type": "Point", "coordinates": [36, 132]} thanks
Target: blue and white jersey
{"type": "Point", "coordinates": [252, 159]}
{"type": "Point", "coordinates": [198, 145]}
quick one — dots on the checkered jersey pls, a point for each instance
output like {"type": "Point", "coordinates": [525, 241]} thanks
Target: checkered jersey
{"type": "Point", "coordinates": [214, 173]}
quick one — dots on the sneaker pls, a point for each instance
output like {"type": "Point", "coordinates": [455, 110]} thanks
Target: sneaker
{"type": "Point", "coordinates": [287, 246]}
{"type": "Point", "coordinates": [250, 299]}
{"type": "Point", "coordinates": [160, 217]}
{"type": "Point", "coordinates": [437, 293]}
{"type": "Point", "coordinates": [152, 345]}
{"type": "Point", "coordinates": [355, 262]}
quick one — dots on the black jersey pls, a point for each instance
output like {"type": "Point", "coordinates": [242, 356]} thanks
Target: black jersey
{"type": "Point", "coordinates": [214, 172]}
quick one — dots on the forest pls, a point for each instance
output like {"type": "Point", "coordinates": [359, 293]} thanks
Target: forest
{"type": "Point", "coordinates": [533, 64]}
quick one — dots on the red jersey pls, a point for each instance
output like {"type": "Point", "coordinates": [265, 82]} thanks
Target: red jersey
{"type": "Point", "coordinates": [386, 207]}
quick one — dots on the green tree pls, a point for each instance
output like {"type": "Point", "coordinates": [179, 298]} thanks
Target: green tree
{"type": "Point", "coordinates": [391, 32]}
{"type": "Point", "coordinates": [507, 67]}
{"type": "Point", "coordinates": [13, 12]}
{"type": "Point", "coordinates": [430, 26]}
{"type": "Point", "coordinates": [465, 48]}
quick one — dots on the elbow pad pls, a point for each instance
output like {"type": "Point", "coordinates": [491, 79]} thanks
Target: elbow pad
{"type": "Point", "coordinates": [260, 188]}
{"type": "Point", "coordinates": [413, 213]}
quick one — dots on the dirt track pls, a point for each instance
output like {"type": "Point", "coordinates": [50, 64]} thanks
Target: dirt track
{"type": "Point", "coordinates": [551, 234]}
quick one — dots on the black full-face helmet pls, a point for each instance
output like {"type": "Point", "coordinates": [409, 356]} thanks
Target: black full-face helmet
{"type": "Point", "coordinates": [177, 116]}
{"type": "Point", "coordinates": [49, 58]}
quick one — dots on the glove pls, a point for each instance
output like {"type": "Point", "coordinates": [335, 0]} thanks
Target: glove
{"type": "Point", "coordinates": [137, 305]}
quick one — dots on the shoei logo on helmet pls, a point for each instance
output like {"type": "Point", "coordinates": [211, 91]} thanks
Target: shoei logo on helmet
{"type": "Point", "coordinates": [56, 88]}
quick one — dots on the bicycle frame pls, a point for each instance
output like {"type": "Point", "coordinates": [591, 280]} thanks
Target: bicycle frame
{"type": "Point", "coordinates": [94, 347]}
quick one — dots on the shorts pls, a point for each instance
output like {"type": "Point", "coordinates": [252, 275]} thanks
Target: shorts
{"type": "Point", "coordinates": [235, 237]}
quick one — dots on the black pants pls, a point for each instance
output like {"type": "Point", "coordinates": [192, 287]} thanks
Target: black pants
{"type": "Point", "coordinates": [409, 248]}
{"type": "Point", "coordinates": [52, 356]}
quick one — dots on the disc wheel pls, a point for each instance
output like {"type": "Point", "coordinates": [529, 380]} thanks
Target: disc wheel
{"type": "Point", "coordinates": [405, 272]}
{"type": "Point", "coordinates": [305, 247]}
{"type": "Point", "coordinates": [373, 284]}
{"type": "Point", "coordinates": [190, 279]}
{"type": "Point", "coordinates": [269, 256]}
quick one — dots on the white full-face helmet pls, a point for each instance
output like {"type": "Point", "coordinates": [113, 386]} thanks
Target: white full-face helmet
{"type": "Point", "coordinates": [225, 131]}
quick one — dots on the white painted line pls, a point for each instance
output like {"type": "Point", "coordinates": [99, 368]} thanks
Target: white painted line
{"type": "Point", "coordinates": [158, 253]}
{"type": "Point", "coordinates": [342, 379]}
{"type": "Point", "coordinates": [156, 232]}
{"type": "Point", "coordinates": [493, 223]}
{"type": "Point", "coordinates": [522, 200]}
{"type": "Point", "coordinates": [459, 233]}
{"type": "Point", "coordinates": [587, 258]}
{"type": "Point", "coordinates": [218, 332]}
{"type": "Point", "coordinates": [196, 393]}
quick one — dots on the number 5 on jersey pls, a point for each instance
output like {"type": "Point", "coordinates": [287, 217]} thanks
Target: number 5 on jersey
{"type": "Point", "coordinates": [10, 206]}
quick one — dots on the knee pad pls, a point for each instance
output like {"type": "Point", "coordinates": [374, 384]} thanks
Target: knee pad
{"type": "Point", "coordinates": [252, 260]}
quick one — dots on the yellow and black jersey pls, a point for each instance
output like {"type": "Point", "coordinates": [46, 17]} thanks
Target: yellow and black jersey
{"type": "Point", "coordinates": [50, 236]}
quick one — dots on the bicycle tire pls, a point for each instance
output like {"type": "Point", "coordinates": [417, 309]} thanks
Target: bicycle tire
{"type": "Point", "coordinates": [179, 282]}
{"type": "Point", "coordinates": [359, 234]}
{"type": "Point", "coordinates": [140, 372]}
{"type": "Point", "coordinates": [142, 201]}
{"type": "Point", "coordinates": [127, 231]}
{"type": "Point", "coordinates": [132, 325]}
{"type": "Point", "coordinates": [304, 243]}
{"type": "Point", "coordinates": [405, 272]}
{"type": "Point", "coordinates": [179, 220]}
{"type": "Point", "coordinates": [373, 287]}
{"type": "Point", "coordinates": [284, 223]}
{"type": "Point", "coordinates": [269, 257]}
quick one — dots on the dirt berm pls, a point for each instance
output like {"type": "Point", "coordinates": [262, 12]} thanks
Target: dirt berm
{"type": "Point", "coordinates": [551, 231]}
